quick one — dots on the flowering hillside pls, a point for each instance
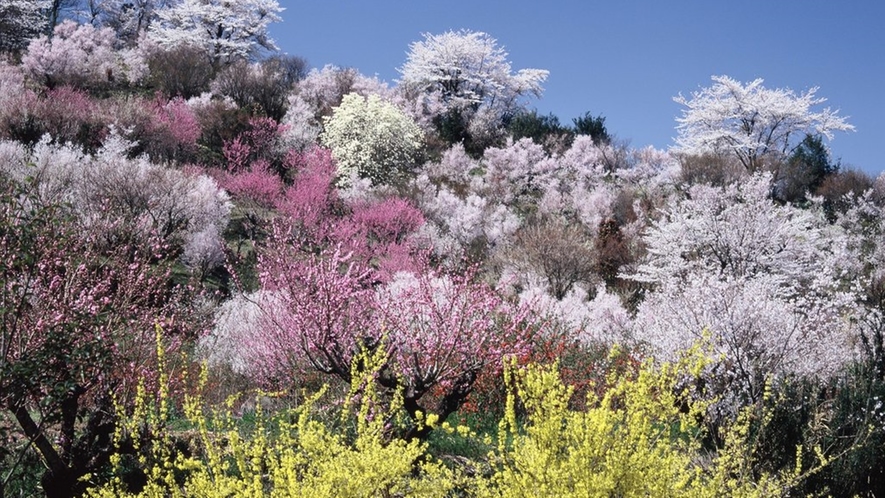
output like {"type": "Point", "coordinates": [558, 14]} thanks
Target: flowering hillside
{"type": "Point", "coordinates": [222, 270]}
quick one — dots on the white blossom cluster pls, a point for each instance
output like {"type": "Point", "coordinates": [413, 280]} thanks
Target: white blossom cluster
{"type": "Point", "coordinates": [371, 138]}
{"type": "Point", "coordinates": [108, 188]}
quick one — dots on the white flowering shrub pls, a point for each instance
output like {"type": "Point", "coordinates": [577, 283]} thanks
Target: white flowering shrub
{"type": "Point", "coordinates": [601, 320]}
{"type": "Point", "coordinates": [371, 138]}
{"type": "Point", "coordinates": [314, 97]}
{"type": "Point", "coordinates": [737, 231]}
{"type": "Point", "coordinates": [760, 331]}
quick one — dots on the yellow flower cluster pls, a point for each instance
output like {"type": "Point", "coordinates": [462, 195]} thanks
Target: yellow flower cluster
{"type": "Point", "coordinates": [641, 438]}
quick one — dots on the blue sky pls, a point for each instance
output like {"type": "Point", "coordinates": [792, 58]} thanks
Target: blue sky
{"type": "Point", "coordinates": [627, 59]}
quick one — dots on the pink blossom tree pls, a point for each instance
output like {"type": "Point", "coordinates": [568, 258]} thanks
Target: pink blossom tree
{"type": "Point", "coordinates": [438, 331]}
{"type": "Point", "coordinates": [312, 199]}
{"type": "Point", "coordinates": [77, 326]}
{"type": "Point", "coordinates": [173, 131]}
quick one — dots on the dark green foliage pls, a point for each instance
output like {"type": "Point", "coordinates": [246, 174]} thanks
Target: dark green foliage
{"type": "Point", "coordinates": [593, 126]}
{"type": "Point", "coordinates": [812, 158]}
{"type": "Point", "coordinates": [805, 171]}
{"type": "Point", "coordinates": [452, 129]}
{"type": "Point", "coordinates": [542, 130]}
{"type": "Point", "coordinates": [547, 130]}
{"type": "Point", "coordinates": [853, 411]}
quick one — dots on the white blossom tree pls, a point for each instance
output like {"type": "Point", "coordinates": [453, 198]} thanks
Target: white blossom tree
{"type": "Point", "coordinates": [226, 30]}
{"type": "Point", "coordinates": [20, 21]}
{"type": "Point", "coordinates": [751, 122]}
{"type": "Point", "coordinates": [127, 199]}
{"type": "Point", "coordinates": [371, 138]}
{"type": "Point", "coordinates": [764, 280]}
{"type": "Point", "coordinates": [470, 72]}
{"type": "Point", "coordinates": [736, 231]}
{"type": "Point", "coordinates": [317, 94]}
{"type": "Point", "coordinates": [761, 332]}
{"type": "Point", "coordinates": [83, 56]}
{"type": "Point", "coordinates": [128, 18]}
{"type": "Point", "coordinates": [864, 262]}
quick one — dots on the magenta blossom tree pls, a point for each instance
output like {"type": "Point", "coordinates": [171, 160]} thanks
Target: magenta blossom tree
{"type": "Point", "coordinates": [439, 331]}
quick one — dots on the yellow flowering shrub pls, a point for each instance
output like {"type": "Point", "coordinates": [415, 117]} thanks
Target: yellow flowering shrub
{"type": "Point", "coordinates": [642, 437]}
{"type": "Point", "coordinates": [287, 455]}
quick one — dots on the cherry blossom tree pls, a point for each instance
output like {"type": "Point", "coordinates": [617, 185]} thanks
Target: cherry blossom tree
{"type": "Point", "coordinates": [465, 221]}
{"type": "Point", "coordinates": [751, 122]}
{"type": "Point", "coordinates": [738, 231]}
{"type": "Point", "coordinates": [600, 320]}
{"type": "Point", "coordinates": [472, 76]}
{"type": "Point", "coordinates": [83, 56]}
{"type": "Point", "coordinates": [765, 281]}
{"type": "Point", "coordinates": [128, 18]}
{"type": "Point", "coordinates": [226, 31]}
{"type": "Point", "coordinates": [864, 261]}
{"type": "Point", "coordinates": [119, 198]}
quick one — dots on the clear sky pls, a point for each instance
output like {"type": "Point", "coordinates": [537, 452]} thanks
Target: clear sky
{"type": "Point", "coordinates": [626, 59]}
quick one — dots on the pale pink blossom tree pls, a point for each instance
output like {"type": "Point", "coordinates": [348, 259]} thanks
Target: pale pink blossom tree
{"type": "Point", "coordinates": [83, 56]}
{"type": "Point", "coordinates": [135, 200]}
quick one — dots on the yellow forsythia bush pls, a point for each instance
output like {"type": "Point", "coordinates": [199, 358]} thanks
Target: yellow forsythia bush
{"type": "Point", "coordinates": [287, 455]}
{"type": "Point", "coordinates": [632, 441]}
